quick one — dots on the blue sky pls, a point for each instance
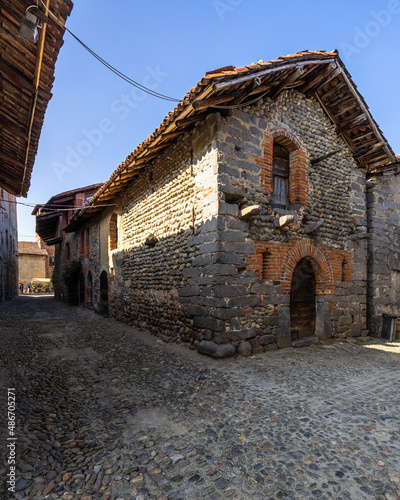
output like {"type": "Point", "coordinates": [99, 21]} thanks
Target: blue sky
{"type": "Point", "coordinates": [94, 120]}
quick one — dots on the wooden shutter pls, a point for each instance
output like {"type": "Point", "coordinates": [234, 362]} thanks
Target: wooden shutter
{"type": "Point", "coordinates": [280, 173]}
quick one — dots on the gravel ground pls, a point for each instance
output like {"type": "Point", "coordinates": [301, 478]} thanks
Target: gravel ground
{"type": "Point", "coordinates": [108, 411]}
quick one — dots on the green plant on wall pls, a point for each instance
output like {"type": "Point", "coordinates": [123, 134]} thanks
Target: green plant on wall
{"type": "Point", "coordinates": [70, 278]}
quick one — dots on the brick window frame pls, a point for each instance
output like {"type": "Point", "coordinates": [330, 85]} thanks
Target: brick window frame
{"type": "Point", "coordinates": [298, 164]}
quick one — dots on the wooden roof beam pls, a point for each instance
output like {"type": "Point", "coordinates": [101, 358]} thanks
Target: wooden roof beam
{"type": "Point", "coordinates": [10, 160]}
{"type": "Point", "coordinates": [330, 72]}
{"type": "Point", "coordinates": [354, 120]}
{"type": "Point", "coordinates": [12, 129]}
{"type": "Point", "coordinates": [15, 77]}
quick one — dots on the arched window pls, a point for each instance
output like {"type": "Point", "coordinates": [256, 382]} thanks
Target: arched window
{"type": "Point", "coordinates": [280, 173]}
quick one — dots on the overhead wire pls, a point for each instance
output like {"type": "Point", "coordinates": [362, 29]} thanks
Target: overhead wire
{"type": "Point", "coordinates": [56, 208]}
{"type": "Point", "coordinates": [133, 82]}
{"type": "Point", "coordinates": [109, 66]}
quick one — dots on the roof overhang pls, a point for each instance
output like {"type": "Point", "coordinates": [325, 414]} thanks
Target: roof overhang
{"type": "Point", "coordinates": [27, 75]}
{"type": "Point", "coordinates": [319, 74]}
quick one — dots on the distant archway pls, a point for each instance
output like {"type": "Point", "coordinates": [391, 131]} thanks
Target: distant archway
{"type": "Point", "coordinates": [104, 294]}
{"type": "Point", "coordinates": [303, 300]}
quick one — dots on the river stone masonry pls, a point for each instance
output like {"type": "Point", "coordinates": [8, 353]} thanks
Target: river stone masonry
{"type": "Point", "coordinates": [255, 305]}
{"type": "Point", "coordinates": [196, 251]}
{"type": "Point", "coordinates": [384, 248]}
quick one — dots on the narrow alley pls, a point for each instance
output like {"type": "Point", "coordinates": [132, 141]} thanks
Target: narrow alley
{"type": "Point", "coordinates": [107, 411]}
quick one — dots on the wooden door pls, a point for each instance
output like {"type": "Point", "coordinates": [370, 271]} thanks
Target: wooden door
{"type": "Point", "coordinates": [302, 301]}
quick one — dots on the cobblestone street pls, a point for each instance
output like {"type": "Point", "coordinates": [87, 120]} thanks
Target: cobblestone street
{"type": "Point", "coordinates": [108, 411]}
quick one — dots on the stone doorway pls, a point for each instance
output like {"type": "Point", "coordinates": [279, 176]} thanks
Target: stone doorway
{"type": "Point", "coordinates": [104, 294]}
{"type": "Point", "coordinates": [302, 302]}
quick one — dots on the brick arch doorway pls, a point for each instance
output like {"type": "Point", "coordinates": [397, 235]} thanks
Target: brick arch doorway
{"type": "Point", "coordinates": [104, 294]}
{"type": "Point", "coordinates": [303, 299]}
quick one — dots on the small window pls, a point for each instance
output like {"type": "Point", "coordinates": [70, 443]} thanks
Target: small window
{"type": "Point", "coordinates": [264, 272]}
{"type": "Point", "coordinates": [280, 173]}
{"type": "Point", "coordinates": [346, 276]}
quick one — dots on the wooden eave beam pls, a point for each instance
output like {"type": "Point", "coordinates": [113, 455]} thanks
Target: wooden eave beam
{"type": "Point", "coordinates": [374, 127]}
{"type": "Point", "coordinates": [352, 122]}
{"type": "Point", "coordinates": [331, 70]}
{"type": "Point", "coordinates": [271, 71]}
{"type": "Point", "coordinates": [213, 101]}
{"type": "Point", "coordinates": [333, 90]}
{"type": "Point", "coordinates": [292, 77]}
{"type": "Point", "coordinates": [370, 150]}
{"type": "Point", "coordinates": [12, 161]}
{"type": "Point", "coordinates": [15, 77]}
{"type": "Point", "coordinates": [12, 129]}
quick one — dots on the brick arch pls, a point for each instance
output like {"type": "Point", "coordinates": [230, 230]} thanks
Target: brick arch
{"type": "Point", "coordinates": [319, 262]}
{"type": "Point", "coordinates": [299, 159]}
{"type": "Point", "coordinates": [285, 138]}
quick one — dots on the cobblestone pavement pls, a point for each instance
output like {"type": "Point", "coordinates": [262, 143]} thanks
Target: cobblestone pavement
{"type": "Point", "coordinates": [107, 411]}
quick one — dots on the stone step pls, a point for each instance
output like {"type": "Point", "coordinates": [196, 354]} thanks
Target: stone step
{"type": "Point", "coordinates": [305, 341]}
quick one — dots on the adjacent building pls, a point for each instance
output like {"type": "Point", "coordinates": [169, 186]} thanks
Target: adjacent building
{"type": "Point", "coordinates": [51, 219]}
{"type": "Point", "coordinates": [35, 260]}
{"type": "Point", "coordinates": [251, 219]}
{"type": "Point", "coordinates": [8, 246]}
{"type": "Point", "coordinates": [27, 75]}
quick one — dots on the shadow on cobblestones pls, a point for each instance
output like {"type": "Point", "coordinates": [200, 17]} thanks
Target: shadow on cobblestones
{"type": "Point", "coordinates": [107, 411]}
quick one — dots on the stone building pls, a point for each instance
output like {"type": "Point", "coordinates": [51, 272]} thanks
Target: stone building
{"type": "Point", "coordinates": [8, 246]}
{"type": "Point", "coordinates": [35, 260]}
{"type": "Point", "coordinates": [241, 223]}
{"type": "Point", "coordinates": [51, 219]}
{"type": "Point", "coordinates": [27, 75]}
{"type": "Point", "coordinates": [383, 215]}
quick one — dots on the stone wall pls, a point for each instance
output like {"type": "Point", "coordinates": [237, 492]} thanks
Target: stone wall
{"type": "Point", "coordinates": [31, 266]}
{"type": "Point", "coordinates": [256, 254]}
{"type": "Point", "coordinates": [196, 251]}
{"type": "Point", "coordinates": [384, 249]}
{"type": "Point", "coordinates": [166, 230]}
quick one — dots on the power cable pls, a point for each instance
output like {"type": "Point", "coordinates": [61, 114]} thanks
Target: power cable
{"type": "Point", "coordinates": [109, 66]}
{"type": "Point", "coordinates": [56, 208]}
